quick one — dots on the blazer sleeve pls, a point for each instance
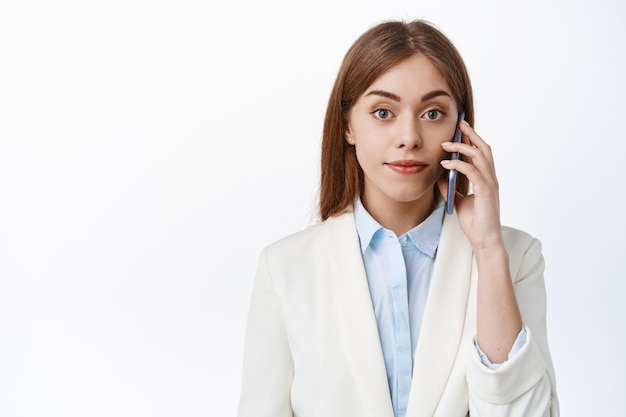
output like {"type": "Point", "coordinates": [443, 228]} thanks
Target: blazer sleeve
{"type": "Point", "coordinates": [523, 386]}
{"type": "Point", "coordinates": [268, 364]}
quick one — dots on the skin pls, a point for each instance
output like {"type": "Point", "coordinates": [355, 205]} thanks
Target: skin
{"type": "Point", "coordinates": [402, 127]}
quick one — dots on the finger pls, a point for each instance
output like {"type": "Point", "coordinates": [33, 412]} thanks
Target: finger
{"type": "Point", "coordinates": [465, 137]}
{"type": "Point", "coordinates": [472, 155]}
{"type": "Point", "coordinates": [481, 180]}
{"type": "Point", "coordinates": [473, 137]}
{"type": "Point", "coordinates": [476, 147]}
{"type": "Point", "coordinates": [442, 183]}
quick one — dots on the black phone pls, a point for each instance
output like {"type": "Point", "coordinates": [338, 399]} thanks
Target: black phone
{"type": "Point", "coordinates": [452, 174]}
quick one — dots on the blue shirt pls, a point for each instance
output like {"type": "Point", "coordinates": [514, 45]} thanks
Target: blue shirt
{"type": "Point", "coordinates": [399, 271]}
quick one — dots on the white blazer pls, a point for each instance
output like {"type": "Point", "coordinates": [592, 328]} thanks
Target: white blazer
{"type": "Point", "coordinates": [312, 347]}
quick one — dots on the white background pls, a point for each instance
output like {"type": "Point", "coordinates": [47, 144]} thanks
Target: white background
{"type": "Point", "coordinates": [150, 149]}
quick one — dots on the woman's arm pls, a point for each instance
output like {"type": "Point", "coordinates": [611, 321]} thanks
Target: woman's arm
{"type": "Point", "coordinates": [523, 385]}
{"type": "Point", "coordinates": [499, 319]}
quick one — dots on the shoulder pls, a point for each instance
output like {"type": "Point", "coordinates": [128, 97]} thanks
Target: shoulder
{"type": "Point", "coordinates": [516, 239]}
{"type": "Point", "coordinates": [310, 235]}
{"type": "Point", "coordinates": [314, 239]}
{"type": "Point", "coordinates": [302, 262]}
{"type": "Point", "coordinates": [524, 251]}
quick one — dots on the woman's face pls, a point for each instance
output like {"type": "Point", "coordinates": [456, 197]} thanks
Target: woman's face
{"type": "Point", "coordinates": [397, 127]}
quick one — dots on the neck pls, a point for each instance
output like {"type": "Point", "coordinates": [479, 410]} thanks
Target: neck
{"type": "Point", "coordinates": [399, 216]}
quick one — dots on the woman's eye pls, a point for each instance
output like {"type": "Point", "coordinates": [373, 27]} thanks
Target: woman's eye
{"type": "Point", "coordinates": [433, 114]}
{"type": "Point", "coordinates": [382, 114]}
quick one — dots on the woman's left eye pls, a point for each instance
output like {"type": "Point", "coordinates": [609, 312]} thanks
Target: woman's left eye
{"type": "Point", "coordinates": [433, 114]}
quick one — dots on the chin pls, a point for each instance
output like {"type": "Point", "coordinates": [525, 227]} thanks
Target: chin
{"type": "Point", "coordinates": [411, 196]}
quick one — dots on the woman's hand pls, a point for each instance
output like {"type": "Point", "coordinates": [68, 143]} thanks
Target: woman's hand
{"type": "Point", "coordinates": [498, 316]}
{"type": "Point", "coordinates": [478, 213]}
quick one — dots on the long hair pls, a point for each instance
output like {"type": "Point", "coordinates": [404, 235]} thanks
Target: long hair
{"type": "Point", "coordinates": [373, 53]}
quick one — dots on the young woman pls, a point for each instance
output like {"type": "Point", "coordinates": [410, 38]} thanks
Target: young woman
{"type": "Point", "coordinates": [388, 306]}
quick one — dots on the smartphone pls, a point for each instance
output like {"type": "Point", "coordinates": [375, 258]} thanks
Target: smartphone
{"type": "Point", "coordinates": [452, 174]}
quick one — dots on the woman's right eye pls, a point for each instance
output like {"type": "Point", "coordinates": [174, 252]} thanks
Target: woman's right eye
{"type": "Point", "coordinates": [382, 114]}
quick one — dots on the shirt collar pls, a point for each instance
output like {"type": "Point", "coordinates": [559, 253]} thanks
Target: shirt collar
{"type": "Point", "coordinates": [366, 226]}
{"type": "Point", "coordinates": [425, 236]}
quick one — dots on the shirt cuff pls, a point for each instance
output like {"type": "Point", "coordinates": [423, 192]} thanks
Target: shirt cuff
{"type": "Point", "coordinates": [517, 345]}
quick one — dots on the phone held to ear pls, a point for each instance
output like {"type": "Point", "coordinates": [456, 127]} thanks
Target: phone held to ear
{"type": "Point", "coordinates": [452, 174]}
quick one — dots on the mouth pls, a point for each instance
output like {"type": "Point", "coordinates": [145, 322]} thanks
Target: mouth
{"type": "Point", "coordinates": [408, 166]}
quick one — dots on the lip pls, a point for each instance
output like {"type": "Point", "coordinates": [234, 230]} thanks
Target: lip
{"type": "Point", "coordinates": [407, 166]}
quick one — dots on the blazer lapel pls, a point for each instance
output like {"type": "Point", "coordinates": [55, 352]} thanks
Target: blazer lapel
{"type": "Point", "coordinates": [444, 318]}
{"type": "Point", "coordinates": [356, 316]}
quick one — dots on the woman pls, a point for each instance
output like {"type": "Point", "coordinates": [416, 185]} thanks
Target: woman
{"type": "Point", "coordinates": [388, 307]}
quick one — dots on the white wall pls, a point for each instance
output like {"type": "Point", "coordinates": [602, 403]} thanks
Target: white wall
{"type": "Point", "coordinates": [139, 138]}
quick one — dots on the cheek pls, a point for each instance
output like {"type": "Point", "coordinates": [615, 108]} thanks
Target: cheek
{"type": "Point", "coordinates": [369, 144]}
{"type": "Point", "coordinates": [436, 137]}
{"type": "Point", "coordinates": [363, 155]}
{"type": "Point", "coordinates": [441, 133]}
{"type": "Point", "coordinates": [438, 154]}
{"type": "Point", "coordinates": [441, 172]}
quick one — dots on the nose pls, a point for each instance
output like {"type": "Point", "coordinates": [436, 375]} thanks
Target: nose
{"type": "Point", "coordinates": [408, 134]}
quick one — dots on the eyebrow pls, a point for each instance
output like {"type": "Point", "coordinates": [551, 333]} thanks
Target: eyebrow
{"type": "Point", "coordinates": [383, 93]}
{"type": "Point", "coordinates": [392, 96]}
{"type": "Point", "coordinates": [434, 94]}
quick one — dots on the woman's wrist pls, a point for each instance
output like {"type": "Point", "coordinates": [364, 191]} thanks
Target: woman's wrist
{"type": "Point", "coordinates": [490, 248]}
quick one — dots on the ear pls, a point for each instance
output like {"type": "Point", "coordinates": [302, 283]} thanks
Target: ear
{"type": "Point", "coordinates": [348, 136]}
